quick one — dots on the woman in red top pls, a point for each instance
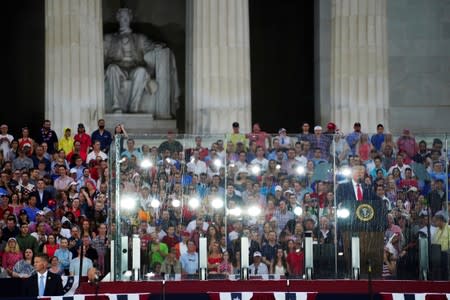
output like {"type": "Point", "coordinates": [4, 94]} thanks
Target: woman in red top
{"type": "Point", "coordinates": [296, 260]}
{"type": "Point", "coordinates": [51, 246]}
{"type": "Point", "coordinates": [214, 258]}
{"type": "Point", "coordinates": [26, 140]}
{"type": "Point", "coordinates": [363, 147]}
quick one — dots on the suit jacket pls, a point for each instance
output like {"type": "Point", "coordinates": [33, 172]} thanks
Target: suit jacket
{"type": "Point", "coordinates": [345, 193]}
{"type": "Point", "coordinates": [42, 202]}
{"type": "Point", "coordinates": [53, 286]}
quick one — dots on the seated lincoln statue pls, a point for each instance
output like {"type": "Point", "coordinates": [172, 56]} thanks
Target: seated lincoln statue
{"type": "Point", "coordinates": [140, 74]}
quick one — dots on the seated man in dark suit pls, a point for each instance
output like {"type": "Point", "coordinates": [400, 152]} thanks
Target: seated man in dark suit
{"type": "Point", "coordinates": [43, 282]}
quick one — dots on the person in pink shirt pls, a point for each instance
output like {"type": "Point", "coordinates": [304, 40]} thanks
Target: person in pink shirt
{"type": "Point", "coordinates": [259, 137]}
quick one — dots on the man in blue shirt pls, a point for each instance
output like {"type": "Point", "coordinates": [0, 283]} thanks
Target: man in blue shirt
{"type": "Point", "coordinates": [189, 260]}
{"type": "Point", "coordinates": [378, 138]}
{"type": "Point", "coordinates": [102, 135]}
{"type": "Point", "coordinates": [353, 138]}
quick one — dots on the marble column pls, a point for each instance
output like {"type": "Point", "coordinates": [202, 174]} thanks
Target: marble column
{"type": "Point", "coordinates": [359, 66]}
{"type": "Point", "coordinates": [74, 90]}
{"type": "Point", "coordinates": [218, 66]}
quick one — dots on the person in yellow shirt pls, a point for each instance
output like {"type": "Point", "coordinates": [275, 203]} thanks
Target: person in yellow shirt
{"type": "Point", "coordinates": [66, 142]}
{"type": "Point", "coordinates": [236, 136]}
{"type": "Point", "coordinates": [442, 235]}
{"type": "Point", "coordinates": [442, 238]}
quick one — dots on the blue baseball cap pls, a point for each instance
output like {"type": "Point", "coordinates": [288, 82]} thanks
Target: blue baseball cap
{"type": "Point", "coordinates": [3, 192]}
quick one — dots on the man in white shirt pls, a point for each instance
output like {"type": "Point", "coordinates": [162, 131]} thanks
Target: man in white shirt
{"type": "Point", "coordinates": [5, 139]}
{"type": "Point", "coordinates": [96, 152]}
{"type": "Point", "coordinates": [257, 268]}
{"type": "Point", "coordinates": [260, 160]}
{"type": "Point", "coordinates": [196, 165]}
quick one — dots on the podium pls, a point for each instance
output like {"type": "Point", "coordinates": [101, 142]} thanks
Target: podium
{"type": "Point", "coordinates": [367, 220]}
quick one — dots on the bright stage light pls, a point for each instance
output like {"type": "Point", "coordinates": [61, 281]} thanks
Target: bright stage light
{"type": "Point", "coordinates": [217, 203]}
{"type": "Point", "coordinates": [255, 169]}
{"type": "Point", "coordinates": [300, 170]}
{"type": "Point", "coordinates": [176, 203]}
{"type": "Point", "coordinates": [254, 211]}
{"type": "Point", "coordinates": [235, 211]}
{"type": "Point", "coordinates": [346, 171]}
{"type": "Point", "coordinates": [194, 203]}
{"type": "Point", "coordinates": [127, 202]}
{"type": "Point", "coordinates": [343, 213]}
{"type": "Point", "coordinates": [298, 211]}
{"type": "Point", "coordinates": [146, 163]}
{"type": "Point", "coordinates": [155, 203]}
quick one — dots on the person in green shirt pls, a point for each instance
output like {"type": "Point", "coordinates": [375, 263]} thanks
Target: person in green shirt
{"type": "Point", "coordinates": [26, 240]}
{"type": "Point", "coordinates": [158, 250]}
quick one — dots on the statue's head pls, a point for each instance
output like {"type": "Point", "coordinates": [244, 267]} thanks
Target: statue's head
{"type": "Point", "coordinates": [124, 16]}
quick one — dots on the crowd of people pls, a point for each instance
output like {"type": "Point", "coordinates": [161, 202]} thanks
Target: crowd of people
{"type": "Point", "coordinates": [57, 198]}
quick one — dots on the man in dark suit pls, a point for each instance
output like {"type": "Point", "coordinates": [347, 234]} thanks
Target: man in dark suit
{"type": "Point", "coordinates": [43, 282]}
{"type": "Point", "coordinates": [365, 221]}
{"type": "Point", "coordinates": [347, 192]}
{"type": "Point", "coordinates": [42, 195]}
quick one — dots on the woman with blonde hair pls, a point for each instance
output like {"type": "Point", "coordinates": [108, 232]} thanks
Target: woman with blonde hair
{"type": "Point", "coordinates": [11, 255]}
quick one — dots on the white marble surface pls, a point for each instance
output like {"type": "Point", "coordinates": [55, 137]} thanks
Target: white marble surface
{"type": "Point", "coordinates": [218, 60]}
{"type": "Point", "coordinates": [359, 76]}
{"type": "Point", "coordinates": [74, 90]}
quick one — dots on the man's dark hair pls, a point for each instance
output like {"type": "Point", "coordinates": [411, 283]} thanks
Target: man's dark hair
{"type": "Point", "coordinates": [43, 256]}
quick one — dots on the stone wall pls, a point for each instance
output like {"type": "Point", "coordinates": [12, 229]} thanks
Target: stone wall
{"type": "Point", "coordinates": [419, 64]}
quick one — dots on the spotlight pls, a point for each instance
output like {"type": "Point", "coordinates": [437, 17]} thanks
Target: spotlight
{"type": "Point", "coordinates": [146, 163]}
{"type": "Point", "coordinates": [278, 166]}
{"type": "Point", "coordinates": [255, 169]}
{"type": "Point", "coordinates": [235, 211]}
{"type": "Point", "coordinates": [298, 211]}
{"type": "Point", "coordinates": [343, 213]}
{"type": "Point", "coordinates": [346, 171]}
{"type": "Point", "coordinates": [254, 211]}
{"type": "Point", "coordinates": [127, 202]}
{"type": "Point", "coordinates": [300, 170]}
{"type": "Point", "coordinates": [155, 203]}
{"type": "Point", "coordinates": [217, 203]}
{"type": "Point", "coordinates": [194, 203]}
{"type": "Point", "coordinates": [217, 162]}
{"type": "Point", "coordinates": [176, 203]}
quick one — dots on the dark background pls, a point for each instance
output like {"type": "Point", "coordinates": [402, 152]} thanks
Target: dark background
{"type": "Point", "coordinates": [282, 63]}
{"type": "Point", "coordinates": [23, 83]}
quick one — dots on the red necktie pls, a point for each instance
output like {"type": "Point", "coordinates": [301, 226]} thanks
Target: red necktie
{"type": "Point", "coordinates": [359, 193]}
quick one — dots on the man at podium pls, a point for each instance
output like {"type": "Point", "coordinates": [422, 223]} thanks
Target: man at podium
{"type": "Point", "coordinates": [365, 219]}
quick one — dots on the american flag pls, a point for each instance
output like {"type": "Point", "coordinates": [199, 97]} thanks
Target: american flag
{"type": "Point", "coordinates": [417, 296]}
{"type": "Point", "coordinates": [101, 297]}
{"type": "Point", "coordinates": [262, 296]}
